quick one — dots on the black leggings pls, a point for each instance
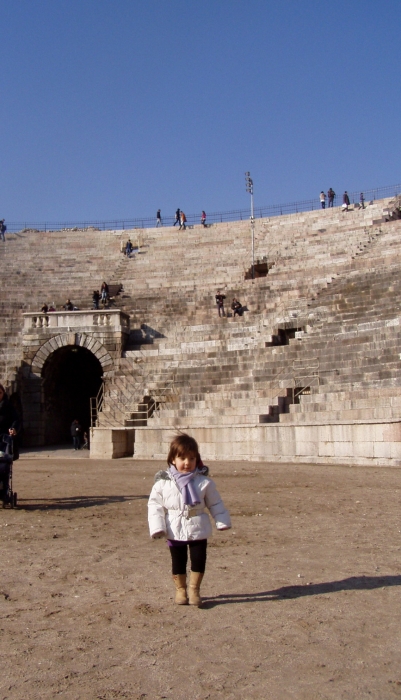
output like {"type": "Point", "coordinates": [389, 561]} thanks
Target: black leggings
{"type": "Point", "coordinates": [179, 557]}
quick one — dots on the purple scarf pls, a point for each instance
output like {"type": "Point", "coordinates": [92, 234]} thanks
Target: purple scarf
{"type": "Point", "coordinates": [184, 483]}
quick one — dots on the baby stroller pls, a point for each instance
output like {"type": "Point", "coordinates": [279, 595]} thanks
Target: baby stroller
{"type": "Point", "coordinates": [7, 495]}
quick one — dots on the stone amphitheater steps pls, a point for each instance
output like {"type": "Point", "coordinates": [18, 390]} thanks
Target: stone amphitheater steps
{"type": "Point", "coordinates": [221, 367]}
{"type": "Point", "coordinates": [218, 382]}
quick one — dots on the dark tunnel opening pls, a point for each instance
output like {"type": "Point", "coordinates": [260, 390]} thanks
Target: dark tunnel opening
{"type": "Point", "coordinates": [71, 375]}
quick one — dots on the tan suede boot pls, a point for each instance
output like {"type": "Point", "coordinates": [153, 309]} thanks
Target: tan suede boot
{"type": "Point", "coordinates": [180, 581]}
{"type": "Point", "coordinates": [195, 581]}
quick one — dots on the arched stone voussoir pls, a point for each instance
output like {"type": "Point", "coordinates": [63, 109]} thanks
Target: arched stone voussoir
{"type": "Point", "coordinates": [45, 350]}
{"type": "Point", "coordinates": [63, 339]}
{"type": "Point", "coordinates": [95, 347]}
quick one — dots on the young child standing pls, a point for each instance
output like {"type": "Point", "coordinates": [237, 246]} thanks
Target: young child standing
{"type": "Point", "coordinates": [177, 511]}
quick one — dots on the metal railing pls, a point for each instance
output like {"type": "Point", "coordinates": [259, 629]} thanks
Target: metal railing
{"type": "Point", "coordinates": [294, 381]}
{"type": "Point", "coordinates": [136, 412]}
{"type": "Point", "coordinates": [271, 210]}
{"type": "Point", "coordinates": [149, 409]}
{"type": "Point", "coordinates": [96, 405]}
{"type": "Point", "coordinates": [303, 382]}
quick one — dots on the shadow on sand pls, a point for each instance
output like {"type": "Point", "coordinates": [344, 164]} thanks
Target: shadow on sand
{"type": "Point", "coordinates": [72, 502]}
{"type": "Point", "coordinates": [364, 583]}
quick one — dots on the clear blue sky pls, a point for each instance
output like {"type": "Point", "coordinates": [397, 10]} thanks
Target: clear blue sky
{"type": "Point", "coordinates": [114, 108]}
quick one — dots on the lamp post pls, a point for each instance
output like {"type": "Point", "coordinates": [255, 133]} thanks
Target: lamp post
{"type": "Point", "coordinates": [249, 188]}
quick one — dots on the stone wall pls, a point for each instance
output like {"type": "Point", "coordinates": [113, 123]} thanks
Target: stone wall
{"type": "Point", "coordinates": [102, 333]}
{"type": "Point", "coordinates": [375, 443]}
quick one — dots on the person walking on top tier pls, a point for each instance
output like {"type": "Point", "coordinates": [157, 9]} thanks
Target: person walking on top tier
{"type": "Point", "coordinates": [183, 220]}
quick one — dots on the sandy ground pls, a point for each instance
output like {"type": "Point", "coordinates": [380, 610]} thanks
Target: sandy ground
{"type": "Point", "coordinates": [302, 597]}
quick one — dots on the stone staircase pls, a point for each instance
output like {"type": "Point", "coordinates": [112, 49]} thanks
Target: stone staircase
{"type": "Point", "coordinates": [221, 368]}
{"type": "Point", "coordinates": [317, 342]}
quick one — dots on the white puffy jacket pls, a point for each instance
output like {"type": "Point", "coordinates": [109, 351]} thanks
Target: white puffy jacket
{"type": "Point", "coordinates": [167, 512]}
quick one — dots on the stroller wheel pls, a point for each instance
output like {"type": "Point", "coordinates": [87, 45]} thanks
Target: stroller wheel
{"type": "Point", "coordinates": [14, 500]}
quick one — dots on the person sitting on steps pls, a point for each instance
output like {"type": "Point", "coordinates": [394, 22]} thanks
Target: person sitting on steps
{"type": "Point", "coordinates": [237, 308]}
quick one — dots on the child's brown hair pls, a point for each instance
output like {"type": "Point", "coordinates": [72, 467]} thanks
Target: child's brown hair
{"type": "Point", "coordinates": [182, 445]}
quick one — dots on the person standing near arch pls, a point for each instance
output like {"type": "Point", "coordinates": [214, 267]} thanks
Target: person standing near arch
{"type": "Point", "coordinates": [76, 434]}
{"type": "Point", "coordinates": [9, 427]}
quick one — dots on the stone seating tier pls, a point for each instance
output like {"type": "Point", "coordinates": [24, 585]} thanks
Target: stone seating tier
{"type": "Point", "coordinates": [211, 381]}
{"type": "Point", "coordinates": [328, 277]}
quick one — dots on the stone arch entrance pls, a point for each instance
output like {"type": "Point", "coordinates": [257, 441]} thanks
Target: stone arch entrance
{"type": "Point", "coordinates": [70, 376]}
{"type": "Point", "coordinates": [80, 345]}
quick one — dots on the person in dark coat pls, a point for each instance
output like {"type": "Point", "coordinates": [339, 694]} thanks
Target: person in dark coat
{"type": "Point", "coordinates": [76, 434]}
{"type": "Point", "coordinates": [330, 196]}
{"type": "Point", "coordinates": [9, 425]}
{"type": "Point", "coordinates": [220, 303]}
{"type": "Point", "coordinates": [237, 308]}
{"type": "Point", "coordinates": [177, 217]}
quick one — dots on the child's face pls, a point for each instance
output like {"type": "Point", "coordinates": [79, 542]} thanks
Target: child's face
{"type": "Point", "coordinates": [185, 464]}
